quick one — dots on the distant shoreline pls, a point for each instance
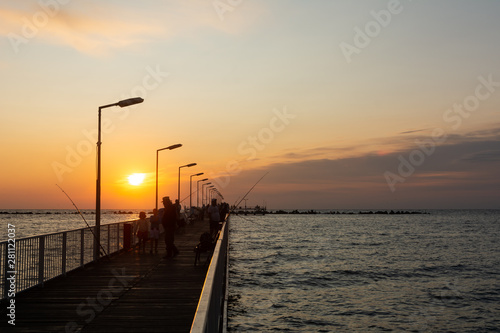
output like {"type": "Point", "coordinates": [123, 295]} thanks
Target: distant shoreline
{"type": "Point", "coordinates": [350, 212]}
{"type": "Point", "coordinates": [7, 211]}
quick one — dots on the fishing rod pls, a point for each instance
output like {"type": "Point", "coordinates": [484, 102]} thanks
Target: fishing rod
{"type": "Point", "coordinates": [88, 226]}
{"type": "Point", "coordinates": [243, 198]}
{"type": "Point", "coordinates": [250, 190]}
{"type": "Point", "coordinates": [195, 191]}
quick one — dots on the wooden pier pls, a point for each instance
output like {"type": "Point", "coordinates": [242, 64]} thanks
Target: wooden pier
{"type": "Point", "coordinates": [131, 292]}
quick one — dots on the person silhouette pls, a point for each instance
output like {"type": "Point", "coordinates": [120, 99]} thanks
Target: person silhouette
{"type": "Point", "coordinates": [154, 232]}
{"type": "Point", "coordinates": [169, 222]}
{"type": "Point", "coordinates": [214, 217]}
{"type": "Point", "coordinates": [142, 228]}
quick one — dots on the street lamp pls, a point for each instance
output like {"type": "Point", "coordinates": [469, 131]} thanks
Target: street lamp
{"type": "Point", "coordinates": [179, 180]}
{"type": "Point", "coordinates": [158, 150]}
{"type": "Point", "coordinates": [198, 191]}
{"type": "Point", "coordinates": [203, 192]}
{"type": "Point", "coordinates": [97, 241]}
{"type": "Point", "coordinates": [190, 187]}
{"type": "Point", "coordinates": [218, 193]}
{"type": "Point", "coordinates": [215, 193]}
{"type": "Point", "coordinates": [206, 194]}
{"type": "Point", "coordinates": [212, 191]}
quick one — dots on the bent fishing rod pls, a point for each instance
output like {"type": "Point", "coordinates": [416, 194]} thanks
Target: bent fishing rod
{"type": "Point", "coordinates": [88, 226]}
{"type": "Point", "coordinates": [244, 197]}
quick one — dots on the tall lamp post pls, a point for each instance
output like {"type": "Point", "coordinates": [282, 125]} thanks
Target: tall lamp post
{"type": "Point", "coordinates": [97, 240]}
{"type": "Point", "coordinates": [198, 191]}
{"type": "Point", "coordinates": [215, 193]}
{"type": "Point", "coordinates": [179, 180]}
{"type": "Point", "coordinates": [203, 192]}
{"type": "Point", "coordinates": [157, 151]}
{"type": "Point", "coordinates": [190, 187]}
{"type": "Point", "coordinates": [218, 193]}
{"type": "Point", "coordinates": [206, 194]}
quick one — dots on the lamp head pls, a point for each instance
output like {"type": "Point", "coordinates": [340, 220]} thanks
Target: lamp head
{"type": "Point", "coordinates": [174, 146]}
{"type": "Point", "coordinates": [130, 101]}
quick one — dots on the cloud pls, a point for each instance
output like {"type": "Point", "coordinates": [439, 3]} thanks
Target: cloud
{"type": "Point", "coordinates": [98, 28]}
{"type": "Point", "coordinates": [90, 33]}
{"type": "Point", "coordinates": [414, 131]}
{"type": "Point", "coordinates": [483, 156]}
{"type": "Point", "coordinates": [463, 173]}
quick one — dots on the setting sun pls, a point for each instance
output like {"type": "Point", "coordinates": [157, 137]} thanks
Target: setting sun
{"type": "Point", "coordinates": [136, 178]}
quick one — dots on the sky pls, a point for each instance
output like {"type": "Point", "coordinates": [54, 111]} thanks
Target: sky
{"type": "Point", "coordinates": [336, 104]}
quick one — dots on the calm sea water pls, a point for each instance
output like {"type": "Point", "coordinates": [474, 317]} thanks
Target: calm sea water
{"type": "Point", "coordinates": [345, 273]}
{"type": "Point", "coordinates": [33, 222]}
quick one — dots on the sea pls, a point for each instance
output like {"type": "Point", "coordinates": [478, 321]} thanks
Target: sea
{"type": "Point", "coordinates": [346, 272]}
{"type": "Point", "coordinates": [34, 222]}
{"type": "Point", "coordinates": [351, 272]}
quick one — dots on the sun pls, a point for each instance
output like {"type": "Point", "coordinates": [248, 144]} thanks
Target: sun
{"type": "Point", "coordinates": [136, 178]}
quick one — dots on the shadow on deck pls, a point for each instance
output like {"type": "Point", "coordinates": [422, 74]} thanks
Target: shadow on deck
{"type": "Point", "coordinates": [131, 292]}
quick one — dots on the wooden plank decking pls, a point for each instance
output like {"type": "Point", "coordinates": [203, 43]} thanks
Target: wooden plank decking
{"type": "Point", "coordinates": [132, 292]}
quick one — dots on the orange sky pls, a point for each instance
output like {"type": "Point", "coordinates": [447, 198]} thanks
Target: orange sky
{"type": "Point", "coordinates": [328, 97]}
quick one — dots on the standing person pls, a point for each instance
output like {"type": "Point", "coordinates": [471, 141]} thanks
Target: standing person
{"type": "Point", "coordinates": [180, 218]}
{"type": "Point", "coordinates": [169, 222]}
{"type": "Point", "coordinates": [214, 217]}
{"type": "Point", "coordinates": [154, 233]}
{"type": "Point", "coordinates": [202, 213]}
{"type": "Point", "coordinates": [224, 210]}
{"type": "Point", "coordinates": [142, 228]}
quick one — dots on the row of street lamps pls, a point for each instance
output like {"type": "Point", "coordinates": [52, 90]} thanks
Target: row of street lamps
{"type": "Point", "coordinates": [125, 103]}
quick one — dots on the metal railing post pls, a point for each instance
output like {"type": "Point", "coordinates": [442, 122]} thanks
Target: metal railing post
{"type": "Point", "coordinates": [118, 236]}
{"type": "Point", "coordinates": [64, 245]}
{"type": "Point", "coordinates": [5, 270]}
{"type": "Point", "coordinates": [82, 246]}
{"type": "Point", "coordinates": [41, 259]}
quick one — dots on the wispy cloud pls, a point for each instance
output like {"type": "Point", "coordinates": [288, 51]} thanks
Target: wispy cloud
{"type": "Point", "coordinates": [414, 131]}
{"type": "Point", "coordinates": [94, 34]}
{"type": "Point", "coordinates": [98, 28]}
{"type": "Point", "coordinates": [483, 156]}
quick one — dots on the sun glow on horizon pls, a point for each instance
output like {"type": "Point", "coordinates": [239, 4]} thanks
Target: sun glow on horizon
{"type": "Point", "coordinates": [136, 179]}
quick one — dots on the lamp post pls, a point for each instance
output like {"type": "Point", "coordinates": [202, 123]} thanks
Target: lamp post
{"type": "Point", "coordinates": [218, 193]}
{"type": "Point", "coordinates": [190, 187]}
{"type": "Point", "coordinates": [206, 194]}
{"type": "Point", "coordinates": [179, 180]}
{"type": "Point", "coordinates": [157, 151]}
{"type": "Point", "coordinates": [203, 192]}
{"type": "Point", "coordinates": [198, 191]}
{"type": "Point", "coordinates": [97, 240]}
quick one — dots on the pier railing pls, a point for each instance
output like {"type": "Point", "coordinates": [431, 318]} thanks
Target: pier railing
{"type": "Point", "coordinates": [210, 316]}
{"type": "Point", "coordinates": [40, 258]}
